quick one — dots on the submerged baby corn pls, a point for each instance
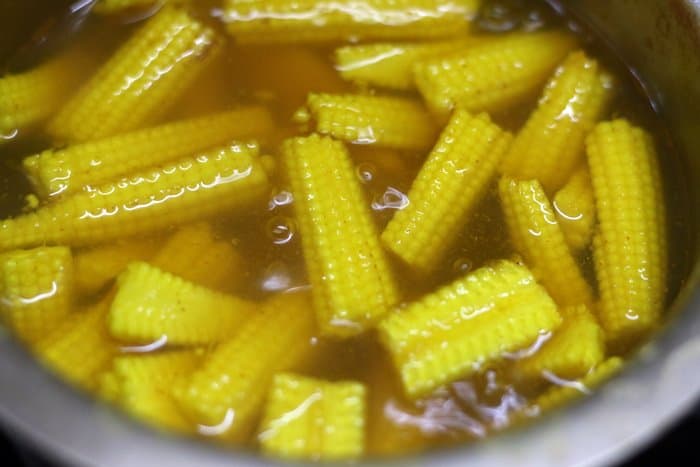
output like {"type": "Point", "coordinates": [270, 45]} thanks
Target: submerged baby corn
{"type": "Point", "coordinates": [36, 290]}
{"type": "Point", "coordinates": [450, 183]}
{"type": "Point", "coordinates": [575, 208]}
{"type": "Point", "coordinates": [134, 87]}
{"type": "Point", "coordinates": [28, 98]}
{"type": "Point", "coordinates": [226, 394]}
{"type": "Point", "coordinates": [312, 419]}
{"type": "Point", "coordinates": [144, 385]}
{"type": "Point", "coordinates": [56, 172]}
{"type": "Point", "coordinates": [392, 122]}
{"type": "Point", "coordinates": [261, 21]}
{"type": "Point", "coordinates": [473, 321]}
{"type": "Point", "coordinates": [187, 190]}
{"type": "Point", "coordinates": [536, 235]}
{"type": "Point", "coordinates": [574, 349]}
{"type": "Point", "coordinates": [491, 75]}
{"type": "Point", "coordinates": [195, 254]}
{"type": "Point", "coordinates": [151, 304]}
{"type": "Point", "coordinates": [96, 267]}
{"type": "Point", "coordinates": [80, 347]}
{"type": "Point", "coordinates": [551, 144]}
{"type": "Point", "coordinates": [352, 284]}
{"type": "Point", "coordinates": [629, 247]}
{"type": "Point", "coordinates": [390, 65]}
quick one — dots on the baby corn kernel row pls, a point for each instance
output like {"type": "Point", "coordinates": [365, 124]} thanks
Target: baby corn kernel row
{"type": "Point", "coordinates": [328, 229]}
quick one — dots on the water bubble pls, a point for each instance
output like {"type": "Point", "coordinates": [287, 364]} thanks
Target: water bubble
{"type": "Point", "coordinates": [392, 198]}
{"type": "Point", "coordinates": [281, 229]}
{"type": "Point", "coordinates": [365, 172]}
{"type": "Point", "coordinates": [462, 265]}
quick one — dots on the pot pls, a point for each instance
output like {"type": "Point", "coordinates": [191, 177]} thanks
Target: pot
{"type": "Point", "coordinates": [660, 41]}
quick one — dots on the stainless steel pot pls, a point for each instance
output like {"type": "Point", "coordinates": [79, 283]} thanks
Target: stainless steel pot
{"type": "Point", "coordinates": [660, 39]}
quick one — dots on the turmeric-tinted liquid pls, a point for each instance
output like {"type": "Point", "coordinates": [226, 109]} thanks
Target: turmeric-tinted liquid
{"type": "Point", "coordinates": [280, 77]}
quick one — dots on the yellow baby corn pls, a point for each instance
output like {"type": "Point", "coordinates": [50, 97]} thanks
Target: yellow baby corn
{"type": "Point", "coordinates": [36, 290]}
{"type": "Point", "coordinates": [151, 304]}
{"type": "Point", "coordinates": [550, 145]}
{"type": "Point", "coordinates": [328, 20]}
{"type": "Point", "coordinates": [629, 246]}
{"type": "Point", "coordinates": [184, 191]}
{"type": "Point", "coordinates": [536, 235]}
{"type": "Point", "coordinates": [390, 65]}
{"type": "Point", "coordinates": [575, 209]}
{"type": "Point", "coordinates": [392, 122]}
{"type": "Point", "coordinates": [145, 385]}
{"type": "Point", "coordinates": [68, 170]}
{"type": "Point", "coordinates": [559, 395]}
{"type": "Point", "coordinates": [474, 320]}
{"type": "Point", "coordinates": [351, 281]}
{"type": "Point", "coordinates": [80, 347]}
{"type": "Point", "coordinates": [96, 267]}
{"type": "Point", "coordinates": [491, 75]}
{"type": "Point", "coordinates": [574, 349]}
{"type": "Point", "coordinates": [226, 394]}
{"type": "Point", "coordinates": [28, 98]}
{"type": "Point", "coordinates": [450, 183]}
{"type": "Point", "coordinates": [312, 419]}
{"type": "Point", "coordinates": [134, 87]}
{"type": "Point", "coordinates": [196, 255]}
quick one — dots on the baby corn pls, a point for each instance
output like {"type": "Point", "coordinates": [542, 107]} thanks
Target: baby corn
{"type": "Point", "coordinates": [261, 21]}
{"type": "Point", "coordinates": [134, 87]}
{"type": "Point", "coordinates": [575, 209]}
{"type": "Point", "coordinates": [184, 191]}
{"type": "Point", "coordinates": [390, 65]}
{"type": "Point", "coordinates": [491, 75]}
{"type": "Point", "coordinates": [80, 347]}
{"type": "Point", "coordinates": [151, 304]}
{"type": "Point", "coordinates": [629, 246]}
{"type": "Point", "coordinates": [145, 382]}
{"type": "Point", "coordinates": [36, 290]}
{"type": "Point", "coordinates": [450, 183]}
{"type": "Point", "coordinates": [196, 255]}
{"type": "Point", "coordinates": [306, 418]}
{"type": "Point", "coordinates": [55, 172]}
{"type": "Point", "coordinates": [550, 145]}
{"type": "Point", "coordinates": [96, 267]}
{"type": "Point", "coordinates": [352, 284]}
{"type": "Point", "coordinates": [392, 122]}
{"type": "Point", "coordinates": [536, 235]}
{"type": "Point", "coordinates": [470, 322]}
{"type": "Point", "coordinates": [574, 349]}
{"type": "Point", "coordinates": [226, 394]}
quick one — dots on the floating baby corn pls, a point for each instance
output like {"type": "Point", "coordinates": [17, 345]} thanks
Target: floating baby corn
{"type": "Point", "coordinates": [190, 189]}
{"type": "Point", "coordinates": [550, 145]}
{"type": "Point", "coordinates": [312, 419]}
{"type": "Point", "coordinates": [227, 393]}
{"type": "Point", "coordinates": [261, 21]}
{"type": "Point", "coordinates": [575, 208]}
{"type": "Point", "coordinates": [55, 172]}
{"type": "Point", "coordinates": [392, 122]}
{"type": "Point", "coordinates": [449, 184]}
{"type": "Point", "coordinates": [36, 290]}
{"type": "Point", "coordinates": [144, 385]}
{"type": "Point", "coordinates": [351, 281]}
{"type": "Point", "coordinates": [151, 304]}
{"type": "Point", "coordinates": [133, 88]}
{"type": "Point", "coordinates": [96, 267]}
{"type": "Point", "coordinates": [195, 254]}
{"type": "Point", "coordinates": [390, 65]}
{"type": "Point", "coordinates": [470, 322]}
{"type": "Point", "coordinates": [629, 246]}
{"type": "Point", "coordinates": [491, 75]}
{"type": "Point", "coordinates": [536, 235]}
{"type": "Point", "coordinates": [574, 349]}
{"type": "Point", "coordinates": [80, 347]}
